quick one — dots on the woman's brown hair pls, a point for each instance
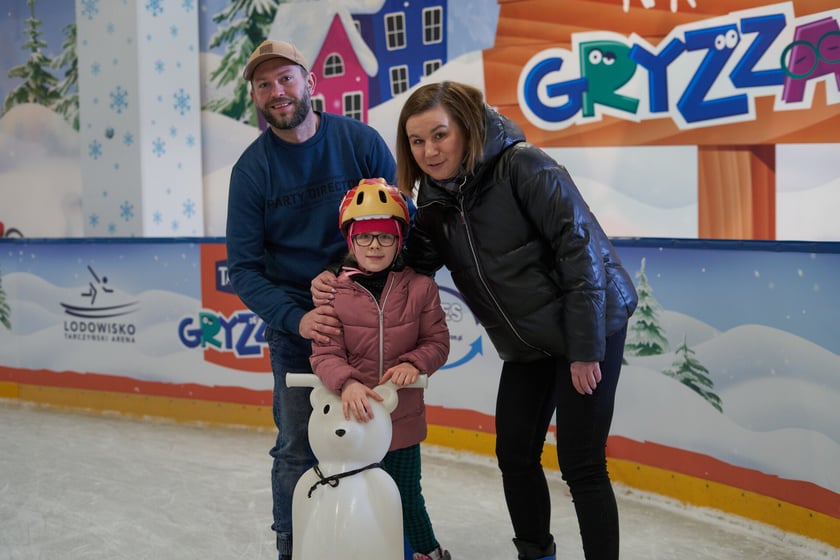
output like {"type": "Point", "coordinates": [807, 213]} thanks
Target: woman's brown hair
{"type": "Point", "coordinates": [465, 106]}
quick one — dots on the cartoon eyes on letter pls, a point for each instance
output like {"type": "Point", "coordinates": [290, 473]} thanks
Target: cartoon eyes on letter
{"type": "Point", "coordinates": [596, 57]}
{"type": "Point", "coordinates": [727, 41]}
{"type": "Point", "coordinates": [800, 59]}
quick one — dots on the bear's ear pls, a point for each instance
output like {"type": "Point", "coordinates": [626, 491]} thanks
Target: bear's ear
{"type": "Point", "coordinates": [319, 395]}
{"type": "Point", "coordinates": [388, 392]}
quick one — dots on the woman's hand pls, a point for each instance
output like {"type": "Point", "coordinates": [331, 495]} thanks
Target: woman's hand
{"type": "Point", "coordinates": [354, 399]}
{"type": "Point", "coordinates": [585, 376]}
{"type": "Point", "coordinates": [322, 288]}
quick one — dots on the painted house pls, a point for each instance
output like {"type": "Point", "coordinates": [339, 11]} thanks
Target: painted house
{"type": "Point", "coordinates": [409, 39]}
{"type": "Point", "coordinates": [341, 61]}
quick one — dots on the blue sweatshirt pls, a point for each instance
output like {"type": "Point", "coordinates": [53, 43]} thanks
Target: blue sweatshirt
{"type": "Point", "coordinates": [282, 222]}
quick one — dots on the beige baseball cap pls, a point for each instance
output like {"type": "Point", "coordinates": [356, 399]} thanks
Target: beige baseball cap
{"type": "Point", "coordinates": [273, 49]}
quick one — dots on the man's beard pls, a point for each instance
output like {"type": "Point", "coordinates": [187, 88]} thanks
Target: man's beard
{"type": "Point", "coordinates": [302, 108]}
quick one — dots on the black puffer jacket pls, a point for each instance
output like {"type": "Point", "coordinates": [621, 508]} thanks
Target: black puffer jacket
{"type": "Point", "coordinates": [524, 250]}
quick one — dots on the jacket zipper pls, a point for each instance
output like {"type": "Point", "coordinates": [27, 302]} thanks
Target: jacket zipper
{"type": "Point", "coordinates": [380, 309]}
{"type": "Point", "coordinates": [481, 278]}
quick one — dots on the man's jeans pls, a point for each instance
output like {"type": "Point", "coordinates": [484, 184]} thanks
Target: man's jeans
{"type": "Point", "coordinates": [292, 454]}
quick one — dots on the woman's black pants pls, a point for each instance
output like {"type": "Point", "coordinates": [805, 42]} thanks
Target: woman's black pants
{"type": "Point", "coordinates": [529, 393]}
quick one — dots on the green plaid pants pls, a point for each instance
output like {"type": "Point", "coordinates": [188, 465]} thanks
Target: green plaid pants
{"type": "Point", "coordinates": [404, 467]}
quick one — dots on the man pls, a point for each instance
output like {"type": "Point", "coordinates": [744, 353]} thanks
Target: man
{"type": "Point", "coordinates": [282, 230]}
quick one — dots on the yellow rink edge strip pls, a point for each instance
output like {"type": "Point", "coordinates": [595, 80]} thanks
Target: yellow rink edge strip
{"type": "Point", "coordinates": [141, 406]}
{"type": "Point", "coordinates": [8, 390]}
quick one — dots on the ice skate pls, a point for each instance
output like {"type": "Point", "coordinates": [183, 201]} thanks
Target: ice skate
{"type": "Point", "coordinates": [437, 554]}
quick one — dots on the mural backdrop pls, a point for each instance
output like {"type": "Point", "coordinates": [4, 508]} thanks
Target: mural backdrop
{"type": "Point", "coordinates": [683, 123]}
{"type": "Point", "coordinates": [710, 118]}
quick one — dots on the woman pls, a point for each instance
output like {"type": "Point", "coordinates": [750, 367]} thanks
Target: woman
{"type": "Point", "coordinates": [541, 276]}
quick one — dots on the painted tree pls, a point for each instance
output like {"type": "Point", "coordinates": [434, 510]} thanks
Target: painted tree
{"type": "Point", "coordinates": [68, 90]}
{"type": "Point", "coordinates": [244, 24]}
{"type": "Point", "coordinates": [690, 372]}
{"type": "Point", "coordinates": [39, 84]}
{"type": "Point", "coordinates": [5, 311]}
{"type": "Point", "coordinates": [645, 336]}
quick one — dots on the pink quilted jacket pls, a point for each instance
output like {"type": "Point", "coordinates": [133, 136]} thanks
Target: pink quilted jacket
{"type": "Point", "coordinates": [407, 325]}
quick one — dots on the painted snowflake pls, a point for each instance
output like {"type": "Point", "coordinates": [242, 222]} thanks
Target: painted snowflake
{"type": "Point", "coordinates": [189, 208]}
{"type": "Point", "coordinates": [155, 7]}
{"type": "Point", "coordinates": [158, 147]}
{"type": "Point", "coordinates": [187, 5]}
{"type": "Point", "coordinates": [126, 211]}
{"type": "Point", "coordinates": [95, 149]}
{"type": "Point", "coordinates": [90, 8]}
{"type": "Point", "coordinates": [118, 99]}
{"type": "Point", "coordinates": [182, 101]}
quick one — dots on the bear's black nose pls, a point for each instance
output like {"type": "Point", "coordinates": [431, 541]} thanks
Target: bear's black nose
{"type": "Point", "coordinates": [340, 432]}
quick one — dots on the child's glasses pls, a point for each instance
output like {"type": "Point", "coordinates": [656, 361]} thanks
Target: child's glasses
{"type": "Point", "coordinates": [365, 239]}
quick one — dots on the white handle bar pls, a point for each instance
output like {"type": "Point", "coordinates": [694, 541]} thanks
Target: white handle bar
{"type": "Point", "coordinates": [311, 380]}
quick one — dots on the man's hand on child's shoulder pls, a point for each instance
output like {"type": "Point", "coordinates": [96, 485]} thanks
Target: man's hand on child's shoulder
{"type": "Point", "coordinates": [322, 288]}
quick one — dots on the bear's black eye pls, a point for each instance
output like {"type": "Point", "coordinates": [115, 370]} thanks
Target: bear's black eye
{"type": "Point", "coordinates": [326, 409]}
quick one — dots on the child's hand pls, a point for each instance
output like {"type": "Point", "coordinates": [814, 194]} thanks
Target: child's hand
{"type": "Point", "coordinates": [354, 398]}
{"type": "Point", "coordinates": [401, 374]}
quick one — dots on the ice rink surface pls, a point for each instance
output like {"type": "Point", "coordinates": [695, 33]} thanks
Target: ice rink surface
{"type": "Point", "coordinates": [93, 487]}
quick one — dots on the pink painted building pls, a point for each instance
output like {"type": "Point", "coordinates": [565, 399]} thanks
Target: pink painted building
{"type": "Point", "coordinates": [342, 82]}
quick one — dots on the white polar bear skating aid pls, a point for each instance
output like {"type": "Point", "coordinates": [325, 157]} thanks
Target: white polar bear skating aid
{"type": "Point", "coordinates": [347, 506]}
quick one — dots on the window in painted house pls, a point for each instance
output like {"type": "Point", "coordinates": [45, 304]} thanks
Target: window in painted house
{"type": "Point", "coordinates": [399, 79]}
{"type": "Point", "coordinates": [353, 105]}
{"type": "Point", "coordinates": [432, 25]}
{"type": "Point", "coordinates": [333, 65]}
{"type": "Point", "coordinates": [431, 65]}
{"type": "Point", "coordinates": [395, 30]}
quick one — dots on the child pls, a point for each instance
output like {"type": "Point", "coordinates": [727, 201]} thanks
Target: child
{"type": "Point", "coordinates": [394, 328]}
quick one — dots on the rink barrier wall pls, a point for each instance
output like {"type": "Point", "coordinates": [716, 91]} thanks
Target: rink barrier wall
{"type": "Point", "coordinates": [691, 490]}
{"type": "Point", "coordinates": [697, 480]}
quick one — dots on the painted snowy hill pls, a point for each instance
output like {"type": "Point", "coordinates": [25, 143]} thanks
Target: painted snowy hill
{"type": "Point", "coordinates": [652, 407]}
{"type": "Point", "coordinates": [772, 417]}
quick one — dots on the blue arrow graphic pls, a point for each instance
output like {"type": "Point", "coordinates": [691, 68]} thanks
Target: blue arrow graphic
{"type": "Point", "coordinates": [475, 349]}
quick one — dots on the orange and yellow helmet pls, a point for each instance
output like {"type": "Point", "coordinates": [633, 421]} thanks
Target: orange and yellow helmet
{"type": "Point", "coordinates": [372, 199]}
